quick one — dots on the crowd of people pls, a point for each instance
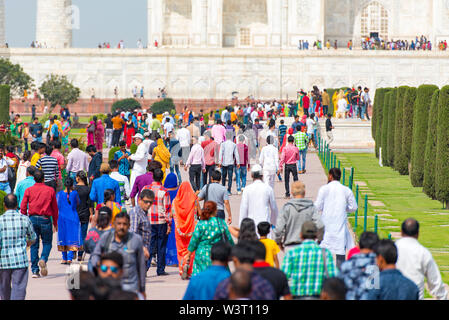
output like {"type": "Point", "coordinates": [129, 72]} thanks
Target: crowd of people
{"type": "Point", "coordinates": [135, 211]}
{"type": "Point", "coordinates": [419, 43]}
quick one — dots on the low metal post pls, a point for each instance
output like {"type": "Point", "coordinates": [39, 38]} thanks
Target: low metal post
{"type": "Point", "coordinates": [375, 223]}
{"type": "Point", "coordinates": [365, 222]}
{"type": "Point", "coordinates": [344, 176]}
{"type": "Point", "coordinates": [339, 164]}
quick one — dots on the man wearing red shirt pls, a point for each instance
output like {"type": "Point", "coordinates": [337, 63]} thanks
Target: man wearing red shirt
{"type": "Point", "coordinates": [289, 157]}
{"type": "Point", "coordinates": [210, 154]}
{"type": "Point", "coordinates": [39, 203]}
{"type": "Point", "coordinates": [306, 104]}
{"type": "Point", "coordinates": [160, 220]}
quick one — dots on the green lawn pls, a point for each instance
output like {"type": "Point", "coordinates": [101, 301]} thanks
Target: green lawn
{"type": "Point", "coordinates": [401, 201]}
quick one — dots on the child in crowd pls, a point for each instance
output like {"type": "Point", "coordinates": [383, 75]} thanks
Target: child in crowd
{"type": "Point", "coordinates": [271, 246]}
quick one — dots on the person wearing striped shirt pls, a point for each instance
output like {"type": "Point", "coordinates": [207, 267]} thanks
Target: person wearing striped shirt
{"type": "Point", "coordinates": [49, 167]}
{"type": "Point", "coordinates": [301, 141]}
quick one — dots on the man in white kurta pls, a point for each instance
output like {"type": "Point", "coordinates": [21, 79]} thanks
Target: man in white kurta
{"type": "Point", "coordinates": [416, 262]}
{"type": "Point", "coordinates": [140, 159]}
{"type": "Point", "coordinates": [258, 201]}
{"type": "Point", "coordinates": [269, 160]}
{"type": "Point", "coordinates": [335, 201]}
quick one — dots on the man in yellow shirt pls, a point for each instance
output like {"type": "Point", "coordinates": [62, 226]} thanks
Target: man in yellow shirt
{"type": "Point", "coordinates": [40, 149]}
{"type": "Point", "coordinates": [326, 102]}
{"type": "Point", "coordinates": [117, 125]}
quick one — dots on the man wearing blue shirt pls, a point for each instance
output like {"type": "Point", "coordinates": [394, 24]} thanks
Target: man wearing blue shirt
{"type": "Point", "coordinates": [203, 285]}
{"type": "Point", "coordinates": [104, 182]}
{"type": "Point", "coordinates": [25, 184]}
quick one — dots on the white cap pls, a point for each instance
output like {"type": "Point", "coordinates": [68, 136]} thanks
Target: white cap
{"type": "Point", "coordinates": [138, 136]}
{"type": "Point", "coordinates": [256, 168]}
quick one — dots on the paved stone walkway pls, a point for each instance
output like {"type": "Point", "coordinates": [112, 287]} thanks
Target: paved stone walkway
{"type": "Point", "coordinates": [53, 287]}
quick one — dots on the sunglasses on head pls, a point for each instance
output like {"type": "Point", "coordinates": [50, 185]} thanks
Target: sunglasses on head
{"type": "Point", "coordinates": [106, 268]}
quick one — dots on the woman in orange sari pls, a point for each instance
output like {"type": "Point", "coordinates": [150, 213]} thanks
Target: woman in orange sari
{"type": "Point", "coordinates": [185, 209]}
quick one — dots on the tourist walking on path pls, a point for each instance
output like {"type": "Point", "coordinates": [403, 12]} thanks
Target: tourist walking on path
{"type": "Point", "coordinates": [160, 218]}
{"type": "Point", "coordinates": [195, 164]}
{"type": "Point", "coordinates": [4, 163]}
{"type": "Point", "coordinates": [243, 256]}
{"type": "Point", "coordinates": [62, 163]}
{"type": "Point", "coordinates": [208, 231]}
{"type": "Point", "coordinates": [360, 272]}
{"type": "Point", "coordinates": [162, 155]}
{"type": "Point", "coordinates": [335, 201]}
{"type": "Point", "coordinates": [392, 283]}
{"type": "Point", "coordinates": [25, 184]}
{"type": "Point", "coordinates": [211, 151]}
{"type": "Point", "coordinates": [139, 222]}
{"type": "Point", "coordinates": [143, 180]}
{"type": "Point", "coordinates": [16, 235]}
{"type": "Point", "coordinates": [117, 124]}
{"type": "Point", "coordinates": [244, 163]}
{"type": "Point", "coordinates": [203, 285]}
{"type": "Point", "coordinates": [289, 157]}
{"type": "Point", "coordinates": [218, 132]}
{"type": "Point", "coordinates": [216, 192]}
{"type": "Point", "coordinates": [50, 167]}
{"type": "Point", "coordinates": [130, 246]}
{"type": "Point", "coordinates": [130, 130]}
{"type": "Point", "coordinates": [171, 184]}
{"type": "Point", "coordinates": [91, 128]}
{"type": "Point", "coordinates": [94, 234]}
{"type": "Point", "coordinates": [95, 163]}
{"type": "Point", "coordinates": [329, 128]}
{"type": "Point", "coordinates": [307, 265]}
{"type": "Point", "coordinates": [39, 203]}
{"type": "Point", "coordinates": [140, 159]}
{"type": "Point", "coordinates": [227, 157]}
{"type": "Point", "coordinates": [108, 130]}
{"type": "Point", "coordinates": [258, 201]}
{"type": "Point", "coordinates": [69, 226]}
{"type": "Point", "coordinates": [175, 158]}
{"type": "Point", "coordinates": [185, 211]}
{"type": "Point", "coordinates": [301, 142]}
{"type": "Point", "coordinates": [184, 138]}
{"type": "Point", "coordinates": [251, 139]}
{"type": "Point", "coordinates": [122, 180]}
{"type": "Point", "coordinates": [269, 160]}
{"type": "Point", "coordinates": [65, 126]}
{"type": "Point", "coordinates": [122, 157]}
{"type": "Point", "coordinates": [85, 207]}
{"type": "Point", "coordinates": [103, 183]}
{"type": "Point", "coordinates": [416, 262]}
{"type": "Point", "coordinates": [293, 215]}
{"type": "Point", "coordinates": [99, 136]}
{"type": "Point", "coordinates": [22, 168]}
{"type": "Point", "coordinates": [76, 160]}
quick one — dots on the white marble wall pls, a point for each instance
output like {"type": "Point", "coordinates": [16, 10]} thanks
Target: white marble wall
{"type": "Point", "coordinates": [53, 26]}
{"type": "Point", "coordinates": [2, 23]}
{"type": "Point", "coordinates": [215, 73]}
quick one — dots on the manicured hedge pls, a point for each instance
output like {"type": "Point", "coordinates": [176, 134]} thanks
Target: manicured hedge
{"type": "Point", "coordinates": [442, 158]}
{"type": "Point", "coordinates": [162, 106]}
{"type": "Point", "coordinates": [4, 103]}
{"type": "Point", "coordinates": [398, 126]}
{"type": "Point", "coordinates": [377, 122]}
{"type": "Point", "coordinates": [420, 121]}
{"type": "Point", "coordinates": [129, 104]}
{"type": "Point", "coordinates": [385, 131]}
{"type": "Point", "coordinates": [431, 148]}
{"type": "Point", "coordinates": [407, 130]}
{"type": "Point", "coordinates": [391, 126]}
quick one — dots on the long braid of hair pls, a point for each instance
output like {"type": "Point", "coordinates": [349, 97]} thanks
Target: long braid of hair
{"type": "Point", "coordinates": [69, 185]}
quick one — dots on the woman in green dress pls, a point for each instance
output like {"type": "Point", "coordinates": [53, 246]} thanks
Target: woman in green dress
{"type": "Point", "coordinates": [208, 231]}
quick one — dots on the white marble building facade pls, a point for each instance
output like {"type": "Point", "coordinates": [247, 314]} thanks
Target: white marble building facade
{"type": "Point", "coordinates": [215, 74]}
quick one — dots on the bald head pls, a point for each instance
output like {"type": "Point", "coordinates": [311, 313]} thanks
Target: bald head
{"type": "Point", "coordinates": [410, 228]}
{"type": "Point", "coordinates": [240, 285]}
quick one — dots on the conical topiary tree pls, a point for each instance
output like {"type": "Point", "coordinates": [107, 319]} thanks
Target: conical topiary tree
{"type": "Point", "coordinates": [420, 121]}
{"type": "Point", "coordinates": [391, 126]}
{"type": "Point", "coordinates": [4, 103]}
{"type": "Point", "coordinates": [442, 158]}
{"type": "Point", "coordinates": [384, 139]}
{"type": "Point", "coordinates": [431, 148]}
{"type": "Point", "coordinates": [374, 116]}
{"type": "Point", "coordinates": [407, 130]}
{"type": "Point", "coordinates": [379, 117]}
{"type": "Point", "coordinates": [398, 126]}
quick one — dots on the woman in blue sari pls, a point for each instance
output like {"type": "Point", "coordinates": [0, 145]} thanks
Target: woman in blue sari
{"type": "Point", "coordinates": [69, 226]}
{"type": "Point", "coordinates": [171, 257]}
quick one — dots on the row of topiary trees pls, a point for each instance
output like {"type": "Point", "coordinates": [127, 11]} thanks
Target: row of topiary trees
{"type": "Point", "coordinates": [411, 129]}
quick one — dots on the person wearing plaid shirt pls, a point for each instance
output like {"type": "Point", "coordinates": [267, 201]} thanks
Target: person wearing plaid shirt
{"type": "Point", "coordinates": [301, 141]}
{"type": "Point", "coordinates": [305, 267]}
{"type": "Point", "coordinates": [140, 223]}
{"type": "Point", "coordinates": [16, 233]}
{"type": "Point", "coordinates": [160, 218]}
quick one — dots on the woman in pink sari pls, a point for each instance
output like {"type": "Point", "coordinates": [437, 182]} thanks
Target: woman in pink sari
{"type": "Point", "coordinates": [99, 136]}
{"type": "Point", "coordinates": [91, 129]}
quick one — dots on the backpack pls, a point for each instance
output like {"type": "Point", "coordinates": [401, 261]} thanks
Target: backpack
{"type": "Point", "coordinates": [109, 239]}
